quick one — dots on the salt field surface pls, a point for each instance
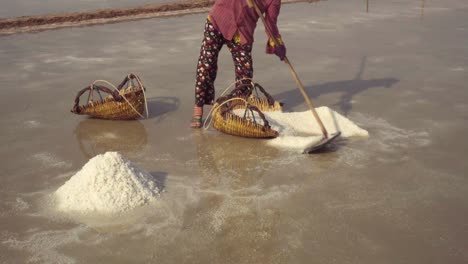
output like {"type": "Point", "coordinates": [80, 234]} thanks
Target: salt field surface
{"type": "Point", "coordinates": [18, 8]}
{"type": "Point", "coordinates": [398, 196]}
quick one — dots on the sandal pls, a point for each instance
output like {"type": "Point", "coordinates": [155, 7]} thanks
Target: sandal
{"type": "Point", "coordinates": [196, 122]}
{"type": "Point", "coordinates": [197, 117]}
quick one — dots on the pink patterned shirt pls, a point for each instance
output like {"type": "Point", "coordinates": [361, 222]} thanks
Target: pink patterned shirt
{"type": "Point", "coordinates": [231, 16]}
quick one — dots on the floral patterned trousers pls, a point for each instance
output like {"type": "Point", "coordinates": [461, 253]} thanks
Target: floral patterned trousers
{"type": "Point", "coordinates": [207, 66]}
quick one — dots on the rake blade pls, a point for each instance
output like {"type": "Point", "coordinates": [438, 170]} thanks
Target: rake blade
{"type": "Point", "coordinates": [316, 147]}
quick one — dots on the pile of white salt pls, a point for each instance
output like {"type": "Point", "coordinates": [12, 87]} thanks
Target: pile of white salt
{"type": "Point", "coordinates": [297, 130]}
{"type": "Point", "coordinates": [108, 183]}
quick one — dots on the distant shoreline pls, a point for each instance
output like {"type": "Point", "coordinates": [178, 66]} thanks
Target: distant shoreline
{"type": "Point", "coordinates": [26, 24]}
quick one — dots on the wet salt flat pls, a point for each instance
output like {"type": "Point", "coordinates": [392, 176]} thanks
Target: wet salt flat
{"type": "Point", "coordinates": [399, 196]}
{"type": "Point", "coordinates": [31, 7]}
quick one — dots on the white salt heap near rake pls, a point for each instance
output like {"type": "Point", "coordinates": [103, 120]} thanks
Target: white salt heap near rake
{"type": "Point", "coordinates": [297, 130]}
{"type": "Point", "coordinates": [108, 183]}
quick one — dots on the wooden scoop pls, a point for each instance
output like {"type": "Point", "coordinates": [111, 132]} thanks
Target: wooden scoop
{"type": "Point", "coordinates": [326, 138]}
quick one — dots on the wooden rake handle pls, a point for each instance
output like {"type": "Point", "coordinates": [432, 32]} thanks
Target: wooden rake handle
{"type": "Point", "coordinates": [253, 4]}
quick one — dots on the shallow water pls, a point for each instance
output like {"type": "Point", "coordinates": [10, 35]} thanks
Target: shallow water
{"type": "Point", "coordinates": [33, 7]}
{"type": "Point", "coordinates": [398, 197]}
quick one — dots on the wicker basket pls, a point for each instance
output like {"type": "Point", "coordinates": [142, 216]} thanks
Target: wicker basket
{"type": "Point", "coordinates": [121, 103]}
{"type": "Point", "coordinates": [227, 122]}
{"type": "Point", "coordinates": [266, 103]}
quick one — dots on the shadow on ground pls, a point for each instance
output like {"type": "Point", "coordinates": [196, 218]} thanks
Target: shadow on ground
{"type": "Point", "coordinates": [348, 88]}
{"type": "Point", "coordinates": [159, 106]}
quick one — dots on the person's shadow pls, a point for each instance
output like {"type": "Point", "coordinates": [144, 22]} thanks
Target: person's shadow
{"type": "Point", "coordinates": [348, 88]}
{"type": "Point", "coordinates": [159, 106]}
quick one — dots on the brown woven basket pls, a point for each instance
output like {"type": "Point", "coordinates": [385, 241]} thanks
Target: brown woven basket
{"type": "Point", "coordinates": [121, 103]}
{"type": "Point", "coordinates": [227, 122]}
{"type": "Point", "coordinates": [264, 103]}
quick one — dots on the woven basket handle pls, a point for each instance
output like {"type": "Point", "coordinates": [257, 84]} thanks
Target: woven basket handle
{"type": "Point", "coordinates": [270, 99]}
{"type": "Point", "coordinates": [266, 124]}
{"type": "Point", "coordinates": [114, 94]}
{"type": "Point", "coordinates": [241, 86]}
{"type": "Point", "coordinates": [128, 78]}
{"type": "Point", "coordinates": [233, 94]}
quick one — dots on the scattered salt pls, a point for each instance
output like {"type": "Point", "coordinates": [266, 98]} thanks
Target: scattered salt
{"type": "Point", "coordinates": [297, 130]}
{"type": "Point", "coordinates": [108, 183]}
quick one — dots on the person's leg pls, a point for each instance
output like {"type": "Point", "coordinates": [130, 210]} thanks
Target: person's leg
{"type": "Point", "coordinates": [242, 57]}
{"type": "Point", "coordinates": [207, 68]}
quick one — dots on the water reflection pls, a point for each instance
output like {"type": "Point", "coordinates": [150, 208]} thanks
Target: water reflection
{"type": "Point", "coordinates": [240, 161]}
{"type": "Point", "coordinates": [96, 136]}
{"type": "Point", "coordinates": [234, 207]}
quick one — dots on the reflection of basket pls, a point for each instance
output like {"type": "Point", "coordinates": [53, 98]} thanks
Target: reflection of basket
{"type": "Point", "coordinates": [218, 160]}
{"type": "Point", "coordinates": [121, 104]}
{"type": "Point", "coordinates": [227, 122]}
{"type": "Point", "coordinates": [99, 136]}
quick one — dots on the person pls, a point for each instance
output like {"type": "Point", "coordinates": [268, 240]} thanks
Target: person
{"type": "Point", "coordinates": [232, 23]}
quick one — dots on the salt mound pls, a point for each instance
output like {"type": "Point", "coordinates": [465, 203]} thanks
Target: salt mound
{"type": "Point", "coordinates": [108, 183]}
{"type": "Point", "coordinates": [297, 130]}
